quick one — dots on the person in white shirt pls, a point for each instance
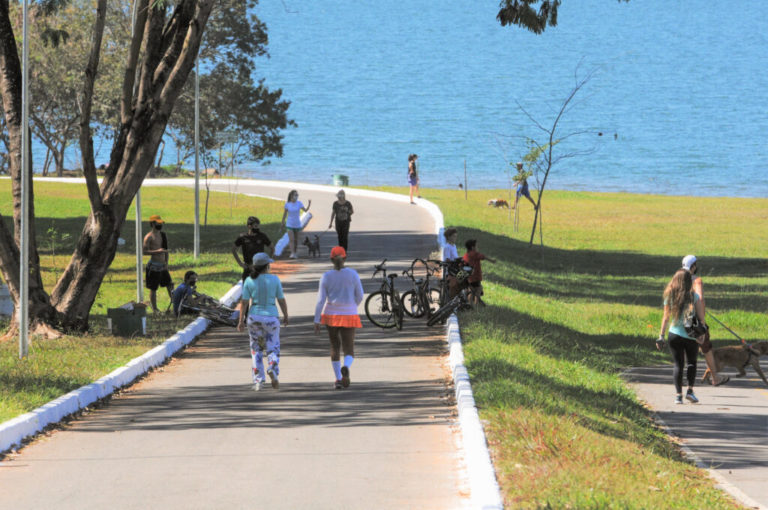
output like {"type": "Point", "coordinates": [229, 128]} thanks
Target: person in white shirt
{"type": "Point", "coordinates": [449, 248]}
{"type": "Point", "coordinates": [339, 294]}
{"type": "Point", "coordinates": [292, 220]}
{"type": "Point", "coordinates": [450, 253]}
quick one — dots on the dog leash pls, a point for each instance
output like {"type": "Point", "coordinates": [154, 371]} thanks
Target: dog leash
{"type": "Point", "coordinates": [729, 329]}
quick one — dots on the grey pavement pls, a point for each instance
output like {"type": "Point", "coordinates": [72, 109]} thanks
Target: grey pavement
{"type": "Point", "coordinates": [195, 435]}
{"type": "Point", "coordinates": [727, 430]}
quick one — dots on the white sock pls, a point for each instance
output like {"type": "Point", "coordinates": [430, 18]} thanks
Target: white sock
{"type": "Point", "coordinates": [348, 360]}
{"type": "Point", "coordinates": [337, 369]}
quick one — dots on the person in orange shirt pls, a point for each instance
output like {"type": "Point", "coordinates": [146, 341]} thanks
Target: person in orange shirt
{"type": "Point", "coordinates": [472, 258]}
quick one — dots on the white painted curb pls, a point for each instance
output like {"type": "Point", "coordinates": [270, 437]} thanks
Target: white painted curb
{"type": "Point", "coordinates": [15, 430]}
{"type": "Point", "coordinates": [484, 489]}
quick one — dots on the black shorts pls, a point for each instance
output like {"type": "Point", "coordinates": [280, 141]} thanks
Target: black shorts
{"type": "Point", "coordinates": [157, 279]}
{"type": "Point", "coordinates": [476, 284]}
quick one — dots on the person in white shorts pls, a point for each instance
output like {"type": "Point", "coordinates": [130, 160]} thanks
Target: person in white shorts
{"type": "Point", "coordinates": [292, 219]}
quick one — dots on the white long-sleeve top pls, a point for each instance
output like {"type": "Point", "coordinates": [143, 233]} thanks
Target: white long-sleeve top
{"type": "Point", "coordinates": [339, 293]}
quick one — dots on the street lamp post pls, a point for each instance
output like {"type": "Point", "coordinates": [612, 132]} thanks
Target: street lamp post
{"type": "Point", "coordinates": [23, 312]}
{"type": "Point", "coordinates": [139, 240]}
{"type": "Point", "coordinates": [197, 160]}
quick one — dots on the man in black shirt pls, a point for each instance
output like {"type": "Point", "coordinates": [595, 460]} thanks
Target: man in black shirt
{"type": "Point", "coordinates": [252, 242]}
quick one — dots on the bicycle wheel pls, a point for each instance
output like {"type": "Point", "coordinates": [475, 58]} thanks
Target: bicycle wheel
{"type": "Point", "coordinates": [441, 315]}
{"type": "Point", "coordinates": [379, 311]}
{"type": "Point", "coordinates": [433, 300]}
{"type": "Point", "coordinates": [473, 293]}
{"type": "Point", "coordinates": [398, 308]}
{"type": "Point", "coordinates": [412, 304]}
{"type": "Point", "coordinates": [218, 317]}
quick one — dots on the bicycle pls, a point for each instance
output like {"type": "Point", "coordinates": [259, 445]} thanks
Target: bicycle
{"type": "Point", "coordinates": [461, 301]}
{"type": "Point", "coordinates": [447, 268]}
{"type": "Point", "coordinates": [210, 308]}
{"type": "Point", "coordinates": [422, 298]}
{"type": "Point", "coordinates": [384, 307]}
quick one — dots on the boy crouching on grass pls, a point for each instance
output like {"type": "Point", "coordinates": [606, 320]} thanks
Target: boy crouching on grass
{"type": "Point", "coordinates": [472, 258]}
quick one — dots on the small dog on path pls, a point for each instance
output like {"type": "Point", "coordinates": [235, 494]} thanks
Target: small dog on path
{"type": "Point", "coordinates": [738, 357]}
{"type": "Point", "coordinates": [313, 246]}
{"type": "Point", "coordinates": [499, 202]}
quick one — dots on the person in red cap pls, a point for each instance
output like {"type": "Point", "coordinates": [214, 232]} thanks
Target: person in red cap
{"type": "Point", "coordinates": [156, 246]}
{"type": "Point", "coordinates": [339, 294]}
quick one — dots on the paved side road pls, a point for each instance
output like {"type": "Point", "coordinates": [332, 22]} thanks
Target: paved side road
{"type": "Point", "coordinates": [727, 430]}
{"type": "Point", "coordinates": [195, 434]}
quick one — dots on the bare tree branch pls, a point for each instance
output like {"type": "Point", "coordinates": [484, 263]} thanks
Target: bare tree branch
{"type": "Point", "coordinates": [86, 103]}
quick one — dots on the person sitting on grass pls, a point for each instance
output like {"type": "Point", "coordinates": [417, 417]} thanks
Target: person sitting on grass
{"type": "Point", "coordinates": [472, 258]}
{"type": "Point", "coordinates": [182, 291]}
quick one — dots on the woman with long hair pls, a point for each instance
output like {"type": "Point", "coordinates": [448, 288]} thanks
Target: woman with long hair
{"type": "Point", "coordinates": [339, 294]}
{"type": "Point", "coordinates": [292, 219]}
{"type": "Point", "coordinates": [681, 303]}
{"type": "Point", "coordinates": [257, 306]}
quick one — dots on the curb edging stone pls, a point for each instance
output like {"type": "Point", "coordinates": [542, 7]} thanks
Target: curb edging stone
{"type": "Point", "coordinates": [14, 431]}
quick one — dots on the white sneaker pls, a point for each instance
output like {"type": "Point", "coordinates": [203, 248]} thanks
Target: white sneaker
{"type": "Point", "coordinates": [691, 397]}
{"type": "Point", "coordinates": [257, 386]}
{"type": "Point", "coordinates": [294, 256]}
{"type": "Point", "coordinates": [273, 378]}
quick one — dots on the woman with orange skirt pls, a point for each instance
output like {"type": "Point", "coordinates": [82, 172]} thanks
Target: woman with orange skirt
{"type": "Point", "coordinates": [338, 297]}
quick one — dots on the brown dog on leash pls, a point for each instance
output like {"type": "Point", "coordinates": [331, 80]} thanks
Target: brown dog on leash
{"type": "Point", "coordinates": [738, 357]}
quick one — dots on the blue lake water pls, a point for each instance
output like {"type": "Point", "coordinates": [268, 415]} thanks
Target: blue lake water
{"type": "Point", "coordinates": [679, 93]}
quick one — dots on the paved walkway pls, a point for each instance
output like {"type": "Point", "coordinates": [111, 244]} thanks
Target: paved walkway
{"type": "Point", "coordinates": [727, 431]}
{"type": "Point", "coordinates": [195, 435]}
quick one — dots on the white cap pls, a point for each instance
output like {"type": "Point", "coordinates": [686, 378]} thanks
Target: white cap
{"type": "Point", "coordinates": [689, 261]}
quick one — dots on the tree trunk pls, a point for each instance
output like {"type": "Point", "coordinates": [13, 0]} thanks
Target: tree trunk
{"type": "Point", "coordinates": [47, 162]}
{"type": "Point", "coordinates": [79, 284]}
{"type": "Point", "coordinates": [165, 68]}
{"type": "Point", "coordinates": [58, 161]}
{"type": "Point", "coordinates": [10, 89]}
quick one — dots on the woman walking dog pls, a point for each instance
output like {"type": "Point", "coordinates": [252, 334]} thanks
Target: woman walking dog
{"type": "Point", "coordinates": [681, 304]}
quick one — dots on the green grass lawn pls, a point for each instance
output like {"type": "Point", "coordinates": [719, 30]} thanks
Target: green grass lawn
{"type": "Point", "coordinates": [544, 356]}
{"type": "Point", "coordinates": [564, 319]}
{"type": "Point", "coordinates": [55, 367]}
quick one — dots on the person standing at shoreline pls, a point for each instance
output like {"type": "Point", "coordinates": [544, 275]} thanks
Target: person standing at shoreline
{"type": "Point", "coordinates": [413, 176]}
{"type": "Point", "coordinates": [342, 213]}
{"type": "Point", "coordinates": [157, 275]}
{"type": "Point", "coordinates": [339, 294]}
{"type": "Point", "coordinates": [251, 243]}
{"type": "Point", "coordinates": [292, 220]}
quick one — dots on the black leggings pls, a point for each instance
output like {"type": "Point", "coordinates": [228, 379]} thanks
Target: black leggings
{"type": "Point", "coordinates": [342, 232]}
{"type": "Point", "coordinates": [682, 349]}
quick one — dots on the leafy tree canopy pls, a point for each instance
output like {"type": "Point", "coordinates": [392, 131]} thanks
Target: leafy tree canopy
{"type": "Point", "coordinates": [535, 15]}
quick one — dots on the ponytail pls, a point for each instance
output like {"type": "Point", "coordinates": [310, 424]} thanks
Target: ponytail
{"type": "Point", "coordinates": [257, 270]}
